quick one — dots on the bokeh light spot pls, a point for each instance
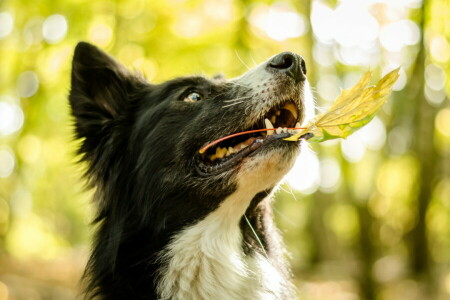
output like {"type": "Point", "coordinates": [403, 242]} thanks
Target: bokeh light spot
{"type": "Point", "coordinates": [374, 134]}
{"type": "Point", "coordinates": [435, 77]}
{"type": "Point", "coordinates": [330, 175]}
{"type": "Point", "coordinates": [399, 140]}
{"type": "Point", "coordinates": [131, 9]}
{"type": "Point", "coordinates": [388, 268]}
{"type": "Point", "coordinates": [27, 84]}
{"type": "Point", "coordinates": [333, 217]}
{"type": "Point", "coordinates": [279, 22]}
{"type": "Point", "coordinates": [440, 49]}
{"type": "Point", "coordinates": [402, 79]}
{"type": "Point", "coordinates": [21, 203]}
{"type": "Point", "coordinates": [356, 44]}
{"type": "Point", "coordinates": [443, 122]}
{"type": "Point", "coordinates": [32, 237]}
{"type": "Point", "coordinates": [305, 174]}
{"type": "Point", "coordinates": [100, 33]}
{"type": "Point", "coordinates": [442, 191]}
{"type": "Point", "coordinates": [346, 15]}
{"type": "Point", "coordinates": [371, 136]}
{"type": "Point", "coordinates": [323, 55]}
{"type": "Point", "coordinates": [11, 118]}
{"type": "Point", "coordinates": [131, 52]}
{"type": "Point", "coordinates": [189, 25]}
{"type": "Point", "coordinates": [32, 33]}
{"type": "Point", "coordinates": [6, 24]}
{"type": "Point", "coordinates": [219, 9]}
{"type": "Point", "coordinates": [354, 55]}
{"type": "Point", "coordinates": [54, 28]}
{"type": "Point", "coordinates": [322, 20]}
{"type": "Point", "coordinates": [353, 148]}
{"type": "Point", "coordinates": [7, 162]}
{"type": "Point", "coordinates": [396, 178]}
{"type": "Point", "coordinates": [397, 35]}
{"type": "Point", "coordinates": [433, 97]}
{"type": "Point", "coordinates": [29, 148]}
{"type": "Point", "coordinates": [328, 87]}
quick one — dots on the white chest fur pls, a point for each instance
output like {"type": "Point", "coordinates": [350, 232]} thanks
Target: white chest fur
{"type": "Point", "coordinates": [206, 261]}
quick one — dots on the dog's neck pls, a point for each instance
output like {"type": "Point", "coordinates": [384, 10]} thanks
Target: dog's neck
{"type": "Point", "coordinates": [207, 260]}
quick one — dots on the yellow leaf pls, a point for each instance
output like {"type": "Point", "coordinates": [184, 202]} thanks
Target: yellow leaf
{"type": "Point", "coordinates": [353, 109]}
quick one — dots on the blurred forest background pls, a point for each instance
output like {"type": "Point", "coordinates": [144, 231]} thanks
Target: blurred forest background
{"type": "Point", "coordinates": [364, 218]}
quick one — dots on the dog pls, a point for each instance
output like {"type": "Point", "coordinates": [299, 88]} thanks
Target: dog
{"type": "Point", "coordinates": [171, 222]}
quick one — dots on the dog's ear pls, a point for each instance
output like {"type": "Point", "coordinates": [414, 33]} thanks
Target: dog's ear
{"type": "Point", "coordinates": [100, 89]}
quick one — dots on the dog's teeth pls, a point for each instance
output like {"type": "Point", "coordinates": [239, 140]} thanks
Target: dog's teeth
{"type": "Point", "coordinates": [224, 152]}
{"type": "Point", "coordinates": [279, 130]}
{"type": "Point", "coordinates": [291, 107]}
{"type": "Point", "coordinates": [297, 125]}
{"type": "Point", "coordinates": [268, 124]}
{"type": "Point", "coordinates": [230, 151]}
{"type": "Point", "coordinates": [285, 130]}
{"type": "Point", "coordinates": [220, 152]}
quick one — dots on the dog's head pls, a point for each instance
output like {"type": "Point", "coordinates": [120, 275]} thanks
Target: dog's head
{"type": "Point", "coordinates": [142, 140]}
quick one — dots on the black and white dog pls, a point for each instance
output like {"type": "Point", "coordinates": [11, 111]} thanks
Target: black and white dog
{"type": "Point", "coordinates": [173, 223]}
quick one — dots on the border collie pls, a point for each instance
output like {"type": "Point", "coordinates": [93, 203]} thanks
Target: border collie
{"type": "Point", "coordinates": [173, 223]}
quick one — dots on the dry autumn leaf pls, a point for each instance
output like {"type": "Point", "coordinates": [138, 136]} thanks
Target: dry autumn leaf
{"type": "Point", "coordinates": [353, 109]}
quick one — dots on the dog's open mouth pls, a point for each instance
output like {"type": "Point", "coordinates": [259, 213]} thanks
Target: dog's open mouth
{"type": "Point", "coordinates": [230, 152]}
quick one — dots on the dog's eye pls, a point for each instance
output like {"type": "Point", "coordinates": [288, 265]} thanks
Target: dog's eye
{"type": "Point", "coordinates": [193, 97]}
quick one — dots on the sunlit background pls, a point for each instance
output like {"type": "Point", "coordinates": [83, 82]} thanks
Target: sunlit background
{"type": "Point", "coordinates": [363, 218]}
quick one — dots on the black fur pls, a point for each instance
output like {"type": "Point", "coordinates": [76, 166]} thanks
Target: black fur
{"type": "Point", "coordinates": [139, 141]}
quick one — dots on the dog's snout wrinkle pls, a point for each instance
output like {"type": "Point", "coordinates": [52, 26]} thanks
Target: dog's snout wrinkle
{"type": "Point", "coordinates": [289, 63]}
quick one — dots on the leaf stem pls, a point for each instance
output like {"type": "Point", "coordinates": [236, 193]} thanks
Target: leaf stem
{"type": "Point", "coordinates": [203, 150]}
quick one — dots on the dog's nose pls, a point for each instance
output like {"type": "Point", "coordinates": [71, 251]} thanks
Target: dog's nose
{"type": "Point", "coordinates": [289, 63]}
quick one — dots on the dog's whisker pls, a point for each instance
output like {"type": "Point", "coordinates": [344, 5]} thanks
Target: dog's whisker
{"type": "Point", "coordinates": [228, 105]}
{"type": "Point", "coordinates": [290, 191]}
{"type": "Point", "coordinates": [256, 236]}
{"type": "Point", "coordinates": [253, 60]}
{"type": "Point", "coordinates": [237, 54]}
{"type": "Point", "coordinates": [236, 99]}
{"type": "Point", "coordinates": [283, 216]}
